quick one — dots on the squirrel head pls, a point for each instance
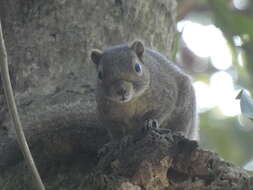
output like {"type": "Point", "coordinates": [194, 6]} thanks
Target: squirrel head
{"type": "Point", "coordinates": [121, 72]}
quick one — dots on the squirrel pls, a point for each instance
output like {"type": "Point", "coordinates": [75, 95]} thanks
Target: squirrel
{"type": "Point", "coordinates": [138, 86]}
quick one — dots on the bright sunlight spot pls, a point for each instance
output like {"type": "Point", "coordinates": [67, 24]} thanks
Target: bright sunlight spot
{"type": "Point", "coordinates": [241, 4]}
{"type": "Point", "coordinates": [204, 97]}
{"type": "Point", "coordinates": [206, 41]}
{"type": "Point", "coordinates": [237, 41]}
{"type": "Point", "coordinates": [220, 92]}
{"type": "Point", "coordinates": [240, 59]}
{"type": "Point", "coordinates": [222, 86]}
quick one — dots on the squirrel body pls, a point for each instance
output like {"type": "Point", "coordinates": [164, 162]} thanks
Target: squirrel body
{"type": "Point", "coordinates": [136, 84]}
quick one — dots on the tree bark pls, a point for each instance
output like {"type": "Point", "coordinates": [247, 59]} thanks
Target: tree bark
{"type": "Point", "coordinates": [152, 160]}
{"type": "Point", "coordinates": [48, 44]}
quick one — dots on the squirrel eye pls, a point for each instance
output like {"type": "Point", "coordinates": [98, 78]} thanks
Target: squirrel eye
{"type": "Point", "coordinates": [100, 75]}
{"type": "Point", "coordinates": [137, 68]}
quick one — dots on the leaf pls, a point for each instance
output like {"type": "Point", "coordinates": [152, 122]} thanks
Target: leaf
{"type": "Point", "coordinates": [231, 22]}
{"type": "Point", "coordinates": [246, 103]}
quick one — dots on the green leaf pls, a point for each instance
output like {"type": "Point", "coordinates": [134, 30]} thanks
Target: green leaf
{"type": "Point", "coordinates": [230, 21]}
{"type": "Point", "coordinates": [246, 103]}
{"type": "Point", "coordinates": [235, 23]}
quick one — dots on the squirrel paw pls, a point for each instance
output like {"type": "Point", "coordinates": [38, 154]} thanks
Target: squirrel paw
{"type": "Point", "coordinates": [151, 124]}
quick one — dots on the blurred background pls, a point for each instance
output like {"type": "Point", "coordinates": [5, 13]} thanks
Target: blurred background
{"type": "Point", "coordinates": [215, 45]}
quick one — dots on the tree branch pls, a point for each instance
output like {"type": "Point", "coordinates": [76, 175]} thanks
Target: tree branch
{"type": "Point", "coordinates": [154, 160]}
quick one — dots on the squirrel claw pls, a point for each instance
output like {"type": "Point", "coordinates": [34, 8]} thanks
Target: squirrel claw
{"type": "Point", "coordinates": [151, 124]}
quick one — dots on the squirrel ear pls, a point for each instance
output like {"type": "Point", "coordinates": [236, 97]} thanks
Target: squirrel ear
{"type": "Point", "coordinates": [138, 47]}
{"type": "Point", "coordinates": [95, 56]}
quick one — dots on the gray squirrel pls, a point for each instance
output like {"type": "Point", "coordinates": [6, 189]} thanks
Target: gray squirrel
{"type": "Point", "coordinates": [138, 86]}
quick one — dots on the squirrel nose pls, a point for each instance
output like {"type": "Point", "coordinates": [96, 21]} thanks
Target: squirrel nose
{"type": "Point", "coordinates": [121, 91]}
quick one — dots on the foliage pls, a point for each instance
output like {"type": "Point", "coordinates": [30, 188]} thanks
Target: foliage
{"type": "Point", "coordinates": [234, 23]}
{"type": "Point", "coordinates": [231, 137]}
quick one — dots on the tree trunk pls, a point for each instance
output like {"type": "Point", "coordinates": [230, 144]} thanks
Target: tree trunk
{"type": "Point", "coordinates": [48, 45]}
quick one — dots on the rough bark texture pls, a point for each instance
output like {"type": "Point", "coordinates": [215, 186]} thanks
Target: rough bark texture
{"type": "Point", "coordinates": [151, 160]}
{"type": "Point", "coordinates": [48, 44]}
